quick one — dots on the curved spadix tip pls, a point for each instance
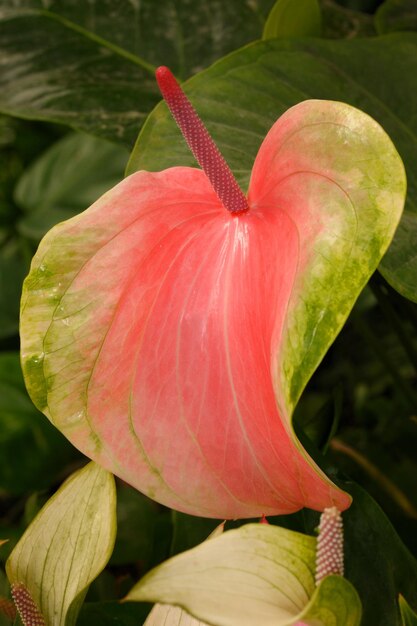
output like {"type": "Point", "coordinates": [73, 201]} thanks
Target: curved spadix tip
{"type": "Point", "coordinates": [201, 143]}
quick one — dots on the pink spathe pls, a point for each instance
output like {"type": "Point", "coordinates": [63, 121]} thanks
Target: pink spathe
{"type": "Point", "coordinates": [181, 394]}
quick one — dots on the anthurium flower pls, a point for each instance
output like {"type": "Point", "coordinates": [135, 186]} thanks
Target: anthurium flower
{"type": "Point", "coordinates": [169, 330]}
{"type": "Point", "coordinates": [258, 574]}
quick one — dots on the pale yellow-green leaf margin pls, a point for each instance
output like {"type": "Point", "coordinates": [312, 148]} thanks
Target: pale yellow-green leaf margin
{"type": "Point", "coordinates": [408, 617]}
{"type": "Point", "coordinates": [168, 615]}
{"type": "Point", "coordinates": [67, 545]}
{"type": "Point", "coordinates": [258, 574]}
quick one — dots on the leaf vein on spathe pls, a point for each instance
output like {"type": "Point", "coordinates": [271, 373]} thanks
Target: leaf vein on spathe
{"type": "Point", "coordinates": [136, 438]}
{"type": "Point", "coordinates": [162, 282]}
{"type": "Point", "coordinates": [178, 341]}
{"type": "Point", "coordinates": [229, 369]}
{"type": "Point", "coordinates": [88, 259]}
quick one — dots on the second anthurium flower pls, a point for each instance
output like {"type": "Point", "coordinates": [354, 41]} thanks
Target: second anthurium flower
{"type": "Point", "coordinates": [169, 330]}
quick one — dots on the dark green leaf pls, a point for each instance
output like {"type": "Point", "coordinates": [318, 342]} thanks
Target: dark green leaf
{"type": "Point", "coordinates": [339, 22]}
{"type": "Point", "coordinates": [56, 73]}
{"type": "Point", "coordinates": [13, 269]}
{"type": "Point", "coordinates": [113, 614]}
{"type": "Point", "coordinates": [290, 19]}
{"type": "Point", "coordinates": [242, 96]}
{"type": "Point", "coordinates": [66, 179]}
{"type": "Point", "coordinates": [319, 417]}
{"type": "Point", "coordinates": [32, 451]}
{"type": "Point", "coordinates": [189, 531]}
{"type": "Point", "coordinates": [90, 64]}
{"type": "Point", "coordinates": [136, 520]}
{"type": "Point", "coordinates": [396, 15]}
{"type": "Point", "coordinates": [377, 562]}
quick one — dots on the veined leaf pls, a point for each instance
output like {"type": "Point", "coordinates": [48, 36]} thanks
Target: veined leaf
{"type": "Point", "coordinates": [90, 64]}
{"type": "Point", "coordinates": [66, 546]}
{"type": "Point", "coordinates": [257, 574]}
{"type": "Point", "coordinates": [169, 615]}
{"type": "Point", "coordinates": [65, 179]}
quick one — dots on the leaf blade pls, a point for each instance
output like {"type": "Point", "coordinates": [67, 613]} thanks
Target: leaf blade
{"type": "Point", "coordinates": [72, 535]}
{"type": "Point", "coordinates": [227, 567]}
{"type": "Point", "coordinates": [257, 574]}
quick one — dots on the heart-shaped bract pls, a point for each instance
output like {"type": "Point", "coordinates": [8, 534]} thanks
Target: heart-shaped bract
{"type": "Point", "coordinates": [170, 339]}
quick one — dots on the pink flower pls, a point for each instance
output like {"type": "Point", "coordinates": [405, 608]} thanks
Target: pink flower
{"type": "Point", "coordinates": [169, 338]}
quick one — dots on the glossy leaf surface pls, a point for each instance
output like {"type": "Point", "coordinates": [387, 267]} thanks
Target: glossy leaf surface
{"type": "Point", "coordinates": [67, 545]}
{"type": "Point", "coordinates": [169, 340]}
{"type": "Point", "coordinates": [90, 64]}
{"type": "Point", "coordinates": [257, 574]}
{"type": "Point", "coordinates": [241, 96]}
{"type": "Point", "coordinates": [65, 179]}
{"type": "Point", "coordinates": [289, 19]}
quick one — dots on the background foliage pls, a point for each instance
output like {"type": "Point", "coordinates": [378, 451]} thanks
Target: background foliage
{"type": "Point", "coordinates": [76, 86]}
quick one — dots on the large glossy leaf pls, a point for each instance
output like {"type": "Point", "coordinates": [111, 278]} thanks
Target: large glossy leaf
{"type": "Point", "coordinates": [65, 179]}
{"type": "Point", "coordinates": [112, 614]}
{"type": "Point", "coordinates": [256, 574]}
{"type": "Point", "coordinates": [240, 98]}
{"type": "Point", "coordinates": [90, 64]}
{"type": "Point", "coordinates": [157, 281]}
{"type": "Point", "coordinates": [67, 545]}
{"type": "Point", "coordinates": [377, 562]}
{"type": "Point", "coordinates": [53, 72]}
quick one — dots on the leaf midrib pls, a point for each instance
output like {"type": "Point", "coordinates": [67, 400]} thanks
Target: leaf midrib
{"type": "Point", "coordinates": [105, 43]}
